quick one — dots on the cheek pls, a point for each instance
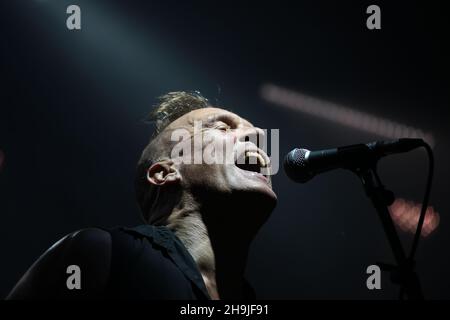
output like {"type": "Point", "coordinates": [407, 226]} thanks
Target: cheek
{"type": "Point", "coordinates": [233, 177]}
{"type": "Point", "coordinates": [203, 175]}
{"type": "Point", "coordinates": [218, 147]}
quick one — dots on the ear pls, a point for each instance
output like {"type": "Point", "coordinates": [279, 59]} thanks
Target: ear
{"type": "Point", "coordinates": [163, 172]}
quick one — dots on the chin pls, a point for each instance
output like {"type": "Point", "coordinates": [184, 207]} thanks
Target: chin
{"type": "Point", "coordinates": [260, 197]}
{"type": "Point", "coordinates": [261, 203]}
{"type": "Point", "coordinates": [270, 198]}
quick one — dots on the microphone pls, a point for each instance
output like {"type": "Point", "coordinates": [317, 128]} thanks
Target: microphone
{"type": "Point", "coordinates": [301, 165]}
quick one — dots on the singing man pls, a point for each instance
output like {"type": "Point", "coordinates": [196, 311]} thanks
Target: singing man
{"type": "Point", "coordinates": [199, 218]}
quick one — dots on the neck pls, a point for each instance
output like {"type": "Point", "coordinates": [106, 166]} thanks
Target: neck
{"type": "Point", "coordinates": [219, 252]}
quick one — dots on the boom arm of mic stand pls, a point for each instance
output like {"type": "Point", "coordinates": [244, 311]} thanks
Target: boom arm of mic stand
{"type": "Point", "coordinates": [403, 273]}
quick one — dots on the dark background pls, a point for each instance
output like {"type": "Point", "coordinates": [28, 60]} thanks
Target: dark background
{"type": "Point", "coordinates": [71, 130]}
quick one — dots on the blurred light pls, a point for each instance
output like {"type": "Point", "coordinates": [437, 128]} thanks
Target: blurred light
{"type": "Point", "coordinates": [116, 51]}
{"type": "Point", "coordinates": [405, 215]}
{"type": "Point", "coordinates": [342, 115]}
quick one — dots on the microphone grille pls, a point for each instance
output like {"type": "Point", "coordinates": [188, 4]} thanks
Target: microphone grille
{"type": "Point", "coordinates": [296, 165]}
{"type": "Point", "coordinates": [297, 157]}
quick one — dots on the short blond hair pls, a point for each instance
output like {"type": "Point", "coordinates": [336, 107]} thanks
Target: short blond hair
{"type": "Point", "coordinates": [173, 105]}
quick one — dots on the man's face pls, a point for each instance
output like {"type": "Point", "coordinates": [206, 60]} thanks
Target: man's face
{"type": "Point", "coordinates": [232, 142]}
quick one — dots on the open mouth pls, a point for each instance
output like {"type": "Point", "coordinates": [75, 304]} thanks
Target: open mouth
{"type": "Point", "coordinates": [252, 161]}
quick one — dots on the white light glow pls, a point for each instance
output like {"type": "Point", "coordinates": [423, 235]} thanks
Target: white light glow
{"type": "Point", "coordinates": [342, 115]}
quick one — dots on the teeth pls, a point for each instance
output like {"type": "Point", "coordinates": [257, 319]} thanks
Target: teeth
{"type": "Point", "coordinates": [260, 158]}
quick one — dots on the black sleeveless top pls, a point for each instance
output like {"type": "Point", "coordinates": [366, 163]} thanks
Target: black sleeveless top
{"type": "Point", "coordinates": [150, 262]}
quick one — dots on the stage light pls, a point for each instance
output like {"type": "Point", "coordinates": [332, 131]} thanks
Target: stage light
{"type": "Point", "coordinates": [405, 215]}
{"type": "Point", "coordinates": [113, 52]}
{"type": "Point", "coordinates": [342, 115]}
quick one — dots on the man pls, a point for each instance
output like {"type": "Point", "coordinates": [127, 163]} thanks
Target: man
{"type": "Point", "coordinates": [200, 217]}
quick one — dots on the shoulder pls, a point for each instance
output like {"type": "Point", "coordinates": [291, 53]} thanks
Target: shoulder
{"type": "Point", "coordinates": [83, 246]}
{"type": "Point", "coordinates": [87, 249]}
{"type": "Point", "coordinates": [87, 242]}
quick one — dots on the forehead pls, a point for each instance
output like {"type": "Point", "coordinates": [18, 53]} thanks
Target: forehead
{"type": "Point", "coordinates": [209, 115]}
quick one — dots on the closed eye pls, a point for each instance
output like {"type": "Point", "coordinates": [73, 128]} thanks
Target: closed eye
{"type": "Point", "coordinates": [222, 126]}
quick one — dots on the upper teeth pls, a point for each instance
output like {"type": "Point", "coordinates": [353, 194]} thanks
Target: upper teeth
{"type": "Point", "coordinates": [255, 154]}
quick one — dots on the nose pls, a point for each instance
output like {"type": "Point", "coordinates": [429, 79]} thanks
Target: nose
{"type": "Point", "coordinates": [254, 135]}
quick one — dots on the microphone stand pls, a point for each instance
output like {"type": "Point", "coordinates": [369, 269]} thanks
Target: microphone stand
{"type": "Point", "coordinates": [403, 272]}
